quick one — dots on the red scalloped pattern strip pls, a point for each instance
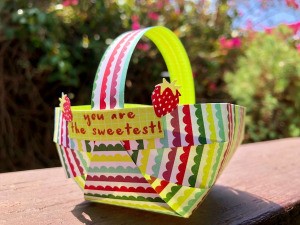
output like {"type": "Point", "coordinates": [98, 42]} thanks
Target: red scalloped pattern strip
{"type": "Point", "coordinates": [230, 127]}
{"type": "Point", "coordinates": [126, 144]}
{"type": "Point", "coordinates": [241, 124]}
{"type": "Point", "coordinates": [114, 83]}
{"type": "Point", "coordinates": [169, 166]}
{"type": "Point", "coordinates": [77, 162]}
{"type": "Point", "coordinates": [176, 129]}
{"type": "Point", "coordinates": [188, 125]}
{"type": "Point", "coordinates": [107, 73]}
{"type": "Point", "coordinates": [117, 178]}
{"type": "Point", "coordinates": [61, 129]}
{"type": "Point", "coordinates": [67, 135]}
{"type": "Point", "coordinates": [162, 186]}
{"type": "Point", "coordinates": [70, 163]}
{"type": "Point", "coordinates": [121, 189]}
{"type": "Point", "coordinates": [151, 179]}
{"type": "Point", "coordinates": [182, 167]}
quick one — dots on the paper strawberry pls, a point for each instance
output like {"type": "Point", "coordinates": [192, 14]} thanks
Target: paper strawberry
{"type": "Point", "coordinates": [65, 106]}
{"type": "Point", "coordinates": [165, 98]}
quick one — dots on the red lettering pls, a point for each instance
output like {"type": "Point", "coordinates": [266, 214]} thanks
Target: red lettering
{"type": "Point", "coordinates": [82, 130]}
{"type": "Point", "coordinates": [114, 116]}
{"type": "Point", "coordinates": [159, 127]}
{"type": "Point", "coordinates": [136, 130]}
{"type": "Point", "coordinates": [128, 127]}
{"type": "Point", "coordinates": [152, 126]}
{"type": "Point", "coordinates": [110, 131]}
{"type": "Point", "coordinates": [100, 116]}
{"type": "Point", "coordinates": [87, 118]}
{"type": "Point", "coordinates": [119, 131]}
{"type": "Point", "coordinates": [77, 130]}
{"type": "Point", "coordinates": [101, 132]}
{"type": "Point", "coordinates": [72, 126]}
{"type": "Point", "coordinates": [145, 130]}
{"type": "Point", "coordinates": [93, 116]}
{"type": "Point", "coordinates": [121, 115]}
{"type": "Point", "coordinates": [130, 115]}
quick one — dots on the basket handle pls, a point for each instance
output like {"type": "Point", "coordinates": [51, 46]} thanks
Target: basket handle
{"type": "Point", "coordinates": [109, 83]}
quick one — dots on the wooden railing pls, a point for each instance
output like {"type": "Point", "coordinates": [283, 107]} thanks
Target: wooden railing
{"type": "Point", "coordinates": [261, 185]}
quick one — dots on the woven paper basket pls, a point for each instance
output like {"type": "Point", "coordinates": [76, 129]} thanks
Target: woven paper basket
{"type": "Point", "coordinates": [126, 155]}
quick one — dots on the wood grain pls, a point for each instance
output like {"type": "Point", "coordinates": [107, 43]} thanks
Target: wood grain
{"type": "Point", "coordinates": [261, 185]}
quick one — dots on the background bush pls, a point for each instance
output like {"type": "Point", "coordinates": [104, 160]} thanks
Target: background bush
{"type": "Point", "coordinates": [49, 47]}
{"type": "Point", "coordinates": [267, 82]}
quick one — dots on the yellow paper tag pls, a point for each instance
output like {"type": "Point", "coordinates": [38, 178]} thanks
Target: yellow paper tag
{"type": "Point", "coordinates": [115, 124]}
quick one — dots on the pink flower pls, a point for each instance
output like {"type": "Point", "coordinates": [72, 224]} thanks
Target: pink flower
{"type": "Point", "coordinates": [212, 86]}
{"type": "Point", "coordinates": [292, 4]}
{"type": "Point", "coordinates": [177, 11]}
{"type": "Point", "coordinates": [236, 42]}
{"type": "Point", "coordinates": [269, 30]}
{"type": "Point", "coordinates": [143, 46]}
{"type": "Point", "coordinates": [295, 27]}
{"type": "Point", "coordinates": [223, 42]}
{"type": "Point", "coordinates": [70, 2]}
{"type": "Point", "coordinates": [135, 22]}
{"type": "Point", "coordinates": [249, 25]}
{"type": "Point", "coordinates": [135, 26]}
{"type": "Point", "coordinates": [153, 16]}
{"type": "Point", "coordinates": [298, 47]}
{"type": "Point", "coordinates": [134, 18]}
{"type": "Point", "coordinates": [160, 3]}
{"type": "Point", "coordinates": [230, 43]}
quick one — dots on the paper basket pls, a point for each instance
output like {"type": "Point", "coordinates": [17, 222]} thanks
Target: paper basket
{"type": "Point", "coordinates": [126, 155]}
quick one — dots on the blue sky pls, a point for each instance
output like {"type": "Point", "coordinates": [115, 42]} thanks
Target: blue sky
{"type": "Point", "coordinates": [261, 18]}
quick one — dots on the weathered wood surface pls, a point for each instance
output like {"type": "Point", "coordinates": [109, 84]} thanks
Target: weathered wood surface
{"type": "Point", "coordinates": [261, 185]}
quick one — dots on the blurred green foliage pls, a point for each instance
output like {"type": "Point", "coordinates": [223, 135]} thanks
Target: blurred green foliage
{"type": "Point", "coordinates": [199, 28]}
{"type": "Point", "coordinates": [267, 82]}
{"type": "Point", "coordinates": [47, 48]}
{"type": "Point", "coordinates": [66, 43]}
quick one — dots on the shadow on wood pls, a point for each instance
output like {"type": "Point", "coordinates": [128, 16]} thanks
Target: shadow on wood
{"type": "Point", "coordinates": [223, 205]}
{"type": "Point", "coordinates": [259, 186]}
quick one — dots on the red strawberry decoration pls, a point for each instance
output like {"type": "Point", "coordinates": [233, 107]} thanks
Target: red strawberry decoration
{"type": "Point", "coordinates": [65, 106]}
{"type": "Point", "coordinates": [165, 98]}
